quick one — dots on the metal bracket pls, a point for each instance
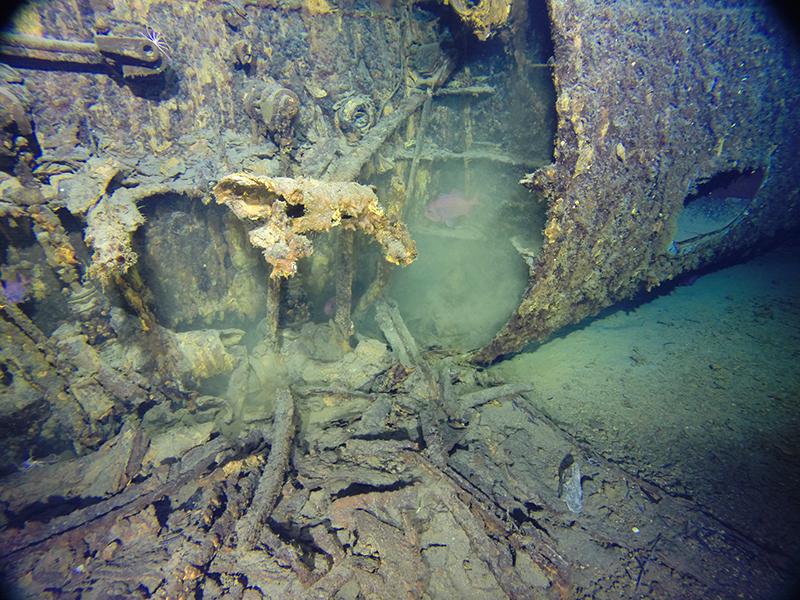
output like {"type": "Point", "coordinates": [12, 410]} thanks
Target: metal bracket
{"type": "Point", "coordinates": [135, 57]}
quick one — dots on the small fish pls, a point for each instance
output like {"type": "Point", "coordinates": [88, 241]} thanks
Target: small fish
{"type": "Point", "coordinates": [447, 208]}
{"type": "Point", "coordinates": [566, 463]}
{"type": "Point", "coordinates": [330, 307]}
{"type": "Point", "coordinates": [15, 291]}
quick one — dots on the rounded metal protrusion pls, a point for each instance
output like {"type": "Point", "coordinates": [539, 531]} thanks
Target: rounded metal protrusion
{"type": "Point", "coordinates": [277, 107]}
{"type": "Point", "coordinates": [356, 115]}
{"type": "Point", "coordinates": [242, 53]}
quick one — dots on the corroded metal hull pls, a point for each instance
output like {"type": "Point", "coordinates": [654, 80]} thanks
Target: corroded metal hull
{"type": "Point", "coordinates": [654, 101]}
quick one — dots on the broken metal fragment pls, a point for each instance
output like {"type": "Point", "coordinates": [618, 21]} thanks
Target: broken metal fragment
{"type": "Point", "coordinates": [286, 208]}
{"type": "Point", "coordinates": [13, 112]}
{"type": "Point", "coordinates": [242, 53]}
{"type": "Point", "coordinates": [355, 115]}
{"type": "Point", "coordinates": [484, 396]}
{"type": "Point", "coordinates": [483, 17]}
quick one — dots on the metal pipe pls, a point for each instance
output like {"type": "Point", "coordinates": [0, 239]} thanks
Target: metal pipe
{"type": "Point", "coordinates": [35, 42]}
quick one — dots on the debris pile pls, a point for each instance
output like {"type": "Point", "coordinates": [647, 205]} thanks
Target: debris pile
{"type": "Point", "coordinates": [394, 491]}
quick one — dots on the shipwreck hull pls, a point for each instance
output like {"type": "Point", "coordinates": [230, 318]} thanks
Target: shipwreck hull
{"type": "Point", "coordinates": [676, 147]}
{"type": "Point", "coordinates": [193, 403]}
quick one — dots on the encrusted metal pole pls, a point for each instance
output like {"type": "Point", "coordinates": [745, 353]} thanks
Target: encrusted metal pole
{"type": "Point", "coordinates": [273, 310]}
{"type": "Point", "coordinates": [269, 486]}
{"type": "Point", "coordinates": [377, 289]}
{"type": "Point", "coordinates": [344, 284]}
{"type": "Point", "coordinates": [420, 141]}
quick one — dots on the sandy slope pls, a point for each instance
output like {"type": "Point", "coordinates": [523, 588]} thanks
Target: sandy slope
{"type": "Point", "coordinates": [696, 389]}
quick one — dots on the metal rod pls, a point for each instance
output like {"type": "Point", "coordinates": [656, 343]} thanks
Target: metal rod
{"type": "Point", "coordinates": [344, 284]}
{"type": "Point", "coordinates": [35, 42]}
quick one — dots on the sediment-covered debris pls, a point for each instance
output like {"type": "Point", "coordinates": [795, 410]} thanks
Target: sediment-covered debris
{"type": "Point", "coordinates": [387, 495]}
